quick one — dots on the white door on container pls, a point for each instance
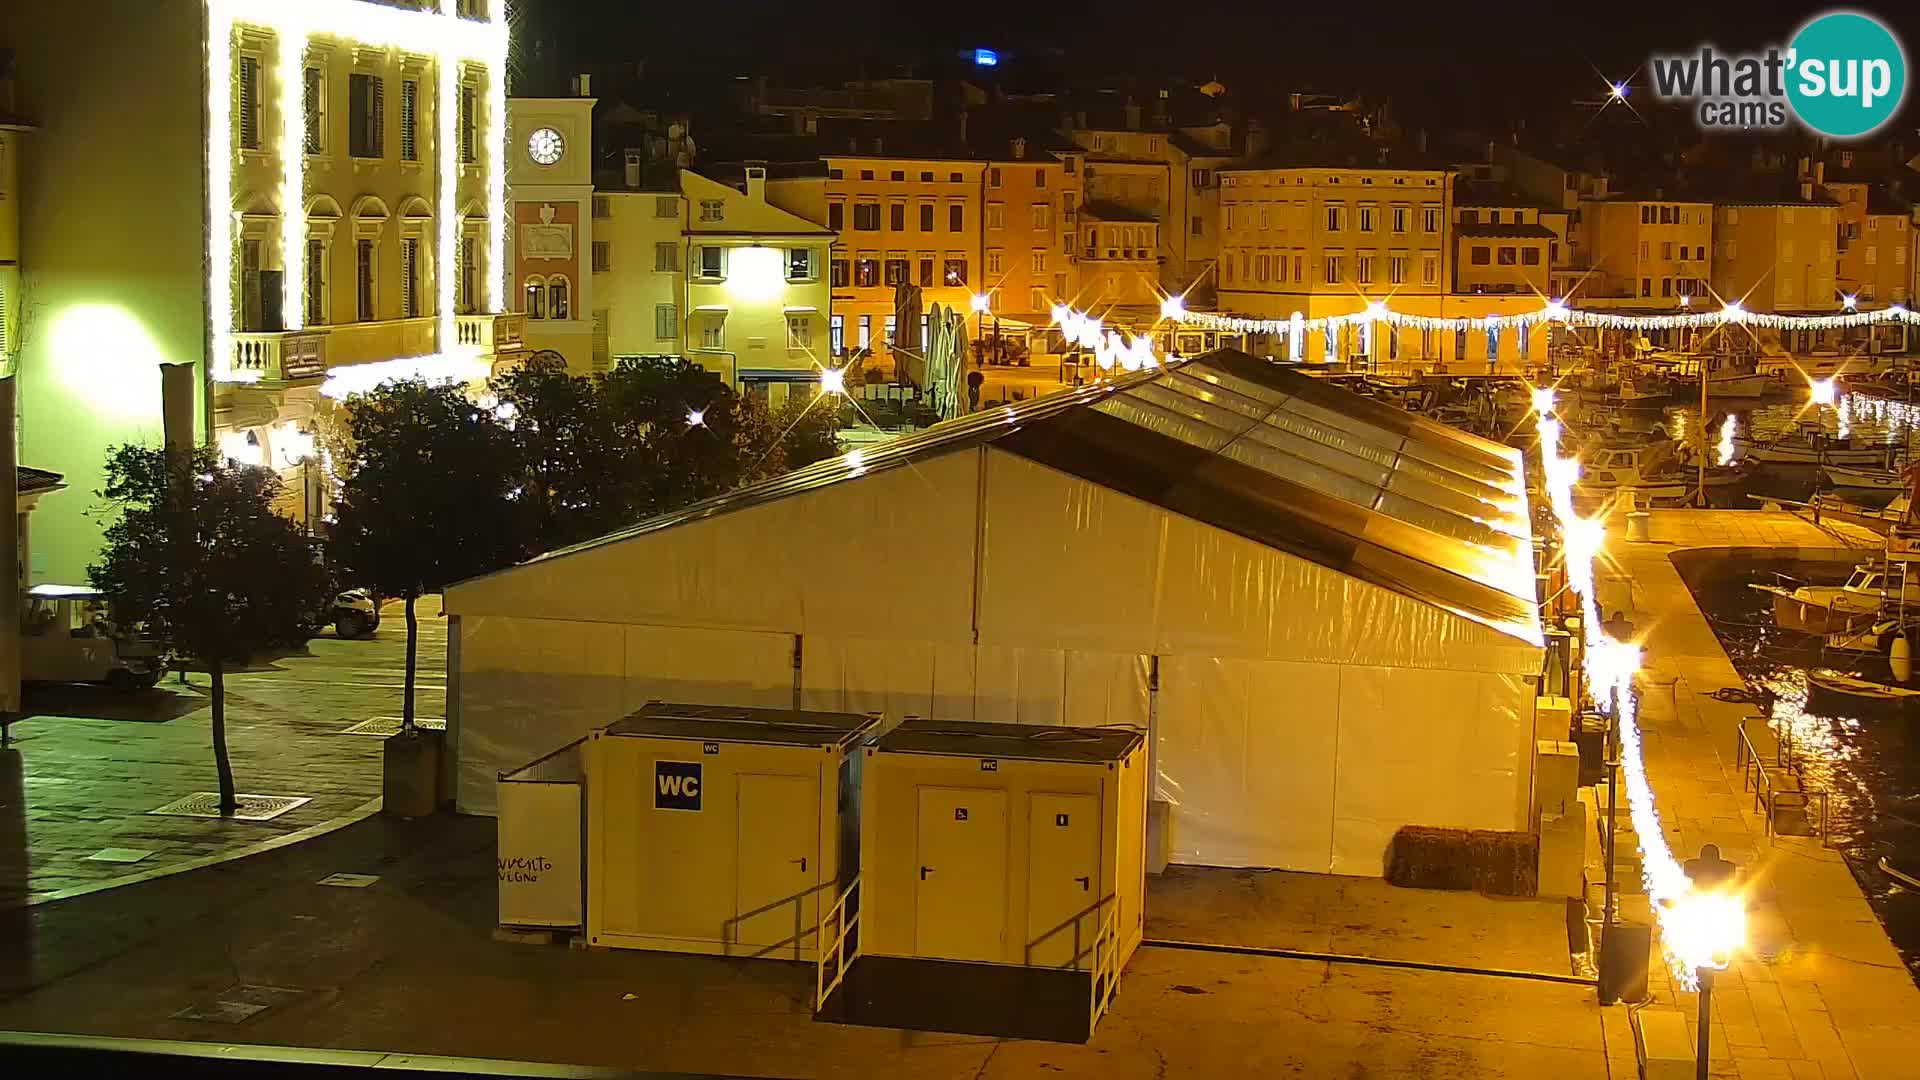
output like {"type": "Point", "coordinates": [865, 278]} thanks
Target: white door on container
{"type": "Point", "coordinates": [775, 906]}
{"type": "Point", "coordinates": [960, 905]}
{"type": "Point", "coordinates": [1063, 880]}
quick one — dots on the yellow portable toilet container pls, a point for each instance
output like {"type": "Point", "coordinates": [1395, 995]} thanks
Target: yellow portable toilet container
{"type": "Point", "coordinates": [720, 830]}
{"type": "Point", "coordinates": [1003, 876]}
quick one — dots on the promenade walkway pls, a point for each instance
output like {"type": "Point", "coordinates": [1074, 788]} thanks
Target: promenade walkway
{"type": "Point", "coordinates": [1822, 991]}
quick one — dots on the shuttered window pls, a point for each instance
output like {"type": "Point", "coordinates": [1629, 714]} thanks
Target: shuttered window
{"type": "Point", "coordinates": [249, 119]}
{"type": "Point", "coordinates": [409, 120]}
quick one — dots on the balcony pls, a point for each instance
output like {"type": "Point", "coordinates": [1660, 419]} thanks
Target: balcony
{"type": "Point", "coordinates": [299, 354]}
{"type": "Point", "coordinates": [491, 333]}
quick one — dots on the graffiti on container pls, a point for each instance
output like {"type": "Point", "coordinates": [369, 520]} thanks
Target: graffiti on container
{"type": "Point", "coordinates": [523, 869]}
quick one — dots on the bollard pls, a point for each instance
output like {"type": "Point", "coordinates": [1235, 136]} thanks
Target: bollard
{"type": "Point", "coordinates": [1638, 527]}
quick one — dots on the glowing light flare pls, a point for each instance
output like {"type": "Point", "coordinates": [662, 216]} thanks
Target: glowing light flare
{"type": "Point", "coordinates": [1696, 930]}
{"type": "Point", "coordinates": [242, 448]}
{"type": "Point", "coordinates": [1173, 307]}
{"type": "Point", "coordinates": [290, 81]}
{"type": "Point", "coordinates": [220, 261]}
{"type": "Point", "coordinates": [1725, 447]}
{"type": "Point", "coordinates": [833, 380]}
{"type": "Point", "coordinates": [1543, 400]}
{"type": "Point", "coordinates": [1708, 927]}
{"type": "Point", "coordinates": [1850, 302]}
{"type": "Point", "coordinates": [696, 417]}
{"type": "Point", "coordinates": [1821, 391]}
{"type": "Point", "coordinates": [980, 302]}
{"type": "Point", "coordinates": [1618, 91]}
{"type": "Point", "coordinates": [463, 366]}
{"type": "Point", "coordinates": [291, 447]}
{"type": "Point", "coordinates": [1846, 418]}
{"type": "Point", "coordinates": [1553, 311]}
{"type": "Point", "coordinates": [447, 219]}
{"type": "Point", "coordinates": [756, 273]}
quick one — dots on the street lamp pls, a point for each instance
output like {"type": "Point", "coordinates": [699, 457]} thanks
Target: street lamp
{"type": "Point", "coordinates": [981, 302]}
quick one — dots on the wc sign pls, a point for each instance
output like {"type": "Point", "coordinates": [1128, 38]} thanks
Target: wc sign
{"type": "Point", "coordinates": [676, 785]}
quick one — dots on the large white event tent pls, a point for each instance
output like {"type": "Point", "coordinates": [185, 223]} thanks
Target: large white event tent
{"type": "Point", "coordinates": [1319, 607]}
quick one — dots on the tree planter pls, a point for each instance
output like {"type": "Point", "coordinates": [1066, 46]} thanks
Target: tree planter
{"type": "Point", "coordinates": [410, 774]}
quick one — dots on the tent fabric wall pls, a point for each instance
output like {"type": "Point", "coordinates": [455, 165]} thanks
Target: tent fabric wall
{"type": "Point", "coordinates": [1303, 715]}
{"type": "Point", "coordinates": [527, 686]}
{"type": "Point", "coordinates": [1343, 755]}
{"type": "Point", "coordinates": [889, 549]}
{"type": "Point", "coordinates": [1171, 585]}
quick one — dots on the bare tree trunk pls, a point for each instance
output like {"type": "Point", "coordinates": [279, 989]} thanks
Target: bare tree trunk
{"type": "Point", "coordinates": [413, 638]}
{"type": "Point", "coordinates": [228, 801]}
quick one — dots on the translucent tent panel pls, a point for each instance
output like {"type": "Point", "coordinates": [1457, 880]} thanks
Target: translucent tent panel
{"type": "Point", "coordinates": [1070, 564]}
{"type": "Point", "coordinates": [527, 686]}
{"type": "Point", "coordinates": [1299, 399]}
{"type": "Point", "coordinates": [1305, 462]}
{"type": "Point", "coordinates": [1329, 750]}
{"type": "Point", "coordinates": [1328, 445]}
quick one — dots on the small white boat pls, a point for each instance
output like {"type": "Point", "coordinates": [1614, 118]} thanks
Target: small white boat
{"type": "Point", "coordinates": [1737, 377]}
{"type": "Point", "coordinates": [1839, 609]}
{"type": "Point", "coordinates": [1847, 478]}
{"type": "Point", "coordinates": [1811, 446]}
{"type": "Point", "coordinates": [1648, 470]}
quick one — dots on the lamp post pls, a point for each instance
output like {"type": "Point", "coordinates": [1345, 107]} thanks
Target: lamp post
{"type": "Point", "coordinates": [1716, 918]}
{"type": "Point", "coordinates": [981, 302]}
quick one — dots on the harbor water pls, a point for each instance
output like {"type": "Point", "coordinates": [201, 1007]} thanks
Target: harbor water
{"type": "Point", "coordinates": [1870, 767]}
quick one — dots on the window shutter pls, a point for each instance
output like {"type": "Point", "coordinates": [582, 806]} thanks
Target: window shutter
{"type": "Point", "coordinates": [249, 103]}
{"type": "Point", "coordinates": [409, 120]}
{"type": "Point", "coordinates": [3, 319]}
{"type": "Point", "coordinates": [409, 256]}
{"type": "Point", "coordinates": [379, 125]}
{"type": "Point", "coordinates": [468, 106]}
{"type": "Point", "coordinates": [310, 102]}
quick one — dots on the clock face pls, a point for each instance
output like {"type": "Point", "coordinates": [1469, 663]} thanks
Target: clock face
{"type": "Point", "coordinates": [545, 146]}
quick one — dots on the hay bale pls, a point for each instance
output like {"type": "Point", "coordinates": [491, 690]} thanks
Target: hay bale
{"type": "Point", "coordinates": [1483, 860]}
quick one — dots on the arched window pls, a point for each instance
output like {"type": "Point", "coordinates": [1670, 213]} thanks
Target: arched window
{"type": "Point", "coordinates": [536, 303]}
{"type": "Point", "coordinates": [557, 298]}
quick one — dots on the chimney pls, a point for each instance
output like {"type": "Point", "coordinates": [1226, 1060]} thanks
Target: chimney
{"type": "Point", "coordinates": [583, 85]}
{"type": "Point", "coordinates": [757, 183]}
{"type": "Point", "coordinates": [1160, 110]}
{"type": "Point", "coordinates": [1806, 190]}
{"type": "Point", "coordinates": [1019, 149]}
{"type": "Point", "coordinates": [963, 127]}
{"type": "Point", "coordinates": [633, 170]}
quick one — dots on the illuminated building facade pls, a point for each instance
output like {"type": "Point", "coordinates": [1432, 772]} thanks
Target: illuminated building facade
{"type": "Point", "coordinates": [297, 199]}
{"type": "Point", "coordinates": [721, 274]}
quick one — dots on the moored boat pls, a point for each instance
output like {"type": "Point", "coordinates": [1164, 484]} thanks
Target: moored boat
{"type": "Point", "coordinates": [1850, 478]}
{"type": "Point", "coordinates": [1830, 693]}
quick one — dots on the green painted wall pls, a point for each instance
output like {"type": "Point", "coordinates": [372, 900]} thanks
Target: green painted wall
{"type": "Point", "coordinates": [112, 240]}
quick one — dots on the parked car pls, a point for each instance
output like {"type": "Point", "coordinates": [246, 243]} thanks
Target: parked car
{"type": "Point", "coordinates": [356, 613]}
{"type": "Point", "coordinates": [67, 634]}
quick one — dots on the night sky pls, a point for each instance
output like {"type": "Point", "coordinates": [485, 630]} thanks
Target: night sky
{"type": "Point", "coordinates": [1440, 63]}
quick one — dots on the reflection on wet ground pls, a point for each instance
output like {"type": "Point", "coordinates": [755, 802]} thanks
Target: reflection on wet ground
{"type": "Point", "coordinates": [1871, 767]}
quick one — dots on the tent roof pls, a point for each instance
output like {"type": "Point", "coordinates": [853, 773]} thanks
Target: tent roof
{"type": "Point", "coordinates": [1284, 459]}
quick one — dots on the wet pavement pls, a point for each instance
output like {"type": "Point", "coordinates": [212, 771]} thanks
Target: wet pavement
{"type": "Point", "coordinates": [89, 765]}
{"type": "Point", "coordinates": [408, 963]}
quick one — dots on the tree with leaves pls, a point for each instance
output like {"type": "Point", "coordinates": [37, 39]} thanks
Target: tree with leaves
{"type": "Point", "coordinates": [203, 565]}
{"type": "Point", "coordinates": [430, 495]}
{"type": "Point", "coordinates": [578, 480]}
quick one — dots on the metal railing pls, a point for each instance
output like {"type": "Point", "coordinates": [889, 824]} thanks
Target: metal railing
{"type": "Point", "coordinates": [1781, 785]}
{"type": "Point", "coordinates": [1106, 968]}
{"type": "Point", "coordinates": [839, 943]}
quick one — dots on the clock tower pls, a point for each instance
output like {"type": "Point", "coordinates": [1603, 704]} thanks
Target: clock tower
{"type": "Point", "coordinates": [550, 173]}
